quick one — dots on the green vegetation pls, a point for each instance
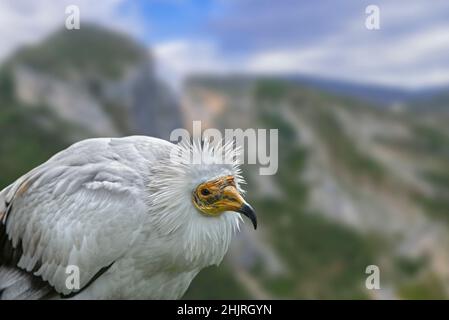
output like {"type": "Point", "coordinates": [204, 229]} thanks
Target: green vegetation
{"type": "Point", "coordinates": [90, 50]}
{"type": "Point", "coordinates": [24, 143]}
{"type": "Point", "coordinates": [426, 287]}
{"type": "Point", "coordinates": [216, 283]}
{"type": "Point", "coordinates": [431, 140]}
{"type": "Point", "coordinates": [270, 90]}
{"type": "Point", "coordinates": [344, 152]}
{"type": "Point", "coordinates": [439, 178]}
{"type": "Point", "coordinates": [436, 206]}
{"type": "Point", "coordinates": [425, 141]}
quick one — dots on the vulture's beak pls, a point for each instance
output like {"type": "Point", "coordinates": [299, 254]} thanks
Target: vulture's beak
{"type": "Point", "coordinates": [248, 211]}
{"type": "Point", "coordinates": [235, 202]}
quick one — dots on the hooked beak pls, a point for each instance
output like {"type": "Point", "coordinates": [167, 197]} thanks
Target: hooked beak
{"type": "Point", "coordinates": [235, 202]}
{"type": "Point", "coordinates": [248, 211]}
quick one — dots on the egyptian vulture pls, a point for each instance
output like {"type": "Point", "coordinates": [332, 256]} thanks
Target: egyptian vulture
{"type": "Point", "coordinates": [132, 219]}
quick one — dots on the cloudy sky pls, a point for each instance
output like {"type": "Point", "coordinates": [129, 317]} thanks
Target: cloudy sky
{"type": "Point", "coordinates": [325, 38]}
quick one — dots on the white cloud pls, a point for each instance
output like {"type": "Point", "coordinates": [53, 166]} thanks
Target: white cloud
{"type": "Point", "coordinates": [178, 58]}
{"type": "Point", "coordinates": [419, 47]}
{"type": "Point", "coordinates": [412, 59]}
{"type": "Point", "coordinates": [286, 61]}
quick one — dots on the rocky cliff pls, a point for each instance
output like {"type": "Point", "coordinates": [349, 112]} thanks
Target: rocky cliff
{"type": "Point", "coordinates": [97, 80]}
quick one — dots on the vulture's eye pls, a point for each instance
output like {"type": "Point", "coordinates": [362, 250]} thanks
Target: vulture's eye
{"type": "Point", "coordinates": [205, 192]}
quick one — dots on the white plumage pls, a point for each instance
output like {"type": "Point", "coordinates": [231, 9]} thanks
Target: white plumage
{"type": "Point", "coordinates": [121, 210]}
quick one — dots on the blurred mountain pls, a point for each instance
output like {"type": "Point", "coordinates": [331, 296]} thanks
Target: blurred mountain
{"type": "Point", "coordinates": [437, 103]}
{"type": "Point", "coordinates": [356, 186]}
{"type": "Point", "coordinates": [78, 84]}
{"type": "Point", "coordinates": [100, 82]}
{"type": "Point", "coordinates": [382, 96]}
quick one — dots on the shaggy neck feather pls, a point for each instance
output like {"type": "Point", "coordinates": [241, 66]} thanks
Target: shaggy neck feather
{"type": "Point", "coordinates": [203, 240]}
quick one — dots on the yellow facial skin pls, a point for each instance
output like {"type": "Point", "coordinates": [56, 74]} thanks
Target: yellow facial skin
{"type": "Point", "coordinates": [212, 198]}
{"type": "Point", "coordinates": [215, 197]}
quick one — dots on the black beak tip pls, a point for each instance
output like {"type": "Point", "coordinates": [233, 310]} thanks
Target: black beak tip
{"type": "Point", "coordinates": [249, 212]}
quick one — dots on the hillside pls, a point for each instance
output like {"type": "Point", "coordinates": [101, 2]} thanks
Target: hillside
{"type": "Point", "coordinates": [74, 85]}
{"type": "Point", "coordinates": [357, 185]}
{"type": "Point", "coordinates": [100, 81]}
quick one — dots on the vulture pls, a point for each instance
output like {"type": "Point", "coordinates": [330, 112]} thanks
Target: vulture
{"type": "Point", "coordinates": [119, 218]}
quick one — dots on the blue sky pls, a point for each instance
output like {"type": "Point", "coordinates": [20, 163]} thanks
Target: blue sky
{"type": "Point", "coordinates": [239, 26]}
{"type": "Point", "coordinates": [165, 20]}
{"type": "Point", "coordinates": [326, 37]}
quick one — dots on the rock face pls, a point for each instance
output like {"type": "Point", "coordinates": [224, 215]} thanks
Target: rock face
{"type": "Point", "coordinates": [69, 102]}
{"type": "Point", "coordinates": [153, 111]}
{"type": "Point", "coordinates": [100, 82]}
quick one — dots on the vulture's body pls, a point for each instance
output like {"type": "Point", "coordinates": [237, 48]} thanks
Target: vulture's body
{"type": "Point", "coordinates": [118, 209]}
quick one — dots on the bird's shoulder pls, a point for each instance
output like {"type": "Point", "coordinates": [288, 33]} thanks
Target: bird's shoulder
{"type": "Point", "coordinates": [82, 207]}
{"type": "Point", "coordinates": [124, 149]}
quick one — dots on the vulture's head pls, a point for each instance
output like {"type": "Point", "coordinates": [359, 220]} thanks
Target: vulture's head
{"type": "Point", "coordinates": [214, 197]}
{"type": "Point", "coordinates": [200, 187]}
